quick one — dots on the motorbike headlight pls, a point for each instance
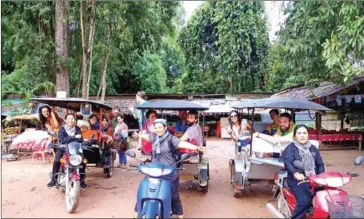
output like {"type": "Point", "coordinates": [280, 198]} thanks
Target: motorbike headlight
{"type": "Point", "coordinates": [75, 160]}
{"type": "Point", "coordinates": [155, 172]}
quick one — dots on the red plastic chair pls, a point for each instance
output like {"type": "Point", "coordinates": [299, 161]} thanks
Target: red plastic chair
{"type": "Point", "coordinates": [40, 151]}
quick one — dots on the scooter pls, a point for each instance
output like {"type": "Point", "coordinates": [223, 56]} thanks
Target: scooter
{"type": "Point", "coordinates": [329, 200]}
{"type": "Point", "coordinates": [154, 192]}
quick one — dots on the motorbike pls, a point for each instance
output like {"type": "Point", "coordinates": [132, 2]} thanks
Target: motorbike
{"type": "Point", "coordinates": [68, 177]}
{"type": "Point", "coordinates": [329, 201]}
{"type": "Point", "coordinates": [154, 192]}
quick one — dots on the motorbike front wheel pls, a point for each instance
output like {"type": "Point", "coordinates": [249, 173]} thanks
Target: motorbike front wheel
{"type": "Point", "coordinates": [72, 196]}
{"type": "Point", "coordinates": [282, 207]}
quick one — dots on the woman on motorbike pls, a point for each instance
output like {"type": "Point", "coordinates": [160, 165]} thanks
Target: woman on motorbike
{"type": "Point", "coordinates": [67, 134]}
{"type": "Point", "coordinates": [162, 153]}
{"type": "Point", "coordinates": [302, 150]}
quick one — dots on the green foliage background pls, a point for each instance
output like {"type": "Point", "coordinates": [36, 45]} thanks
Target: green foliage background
{"type": "Point", "coordinates": [224, 47]}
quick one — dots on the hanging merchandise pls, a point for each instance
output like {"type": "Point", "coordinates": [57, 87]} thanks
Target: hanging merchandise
{"type": "Point", "coordinates": [339, 100]}
{"type": "Point", "coordinates": [357, 98]}
{"type": "Point", "coordinates": [348, 98]}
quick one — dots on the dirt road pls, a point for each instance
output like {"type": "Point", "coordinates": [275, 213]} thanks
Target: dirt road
{"type": "Point", "coordinates": [24, 191]}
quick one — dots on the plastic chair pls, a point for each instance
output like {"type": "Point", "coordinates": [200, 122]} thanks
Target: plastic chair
{"type": "Point", "coordinates": [42, 151]}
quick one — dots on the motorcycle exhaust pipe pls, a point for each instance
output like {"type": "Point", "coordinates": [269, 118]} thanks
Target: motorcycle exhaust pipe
{"type": "Point", "coordinates": [274, 211]}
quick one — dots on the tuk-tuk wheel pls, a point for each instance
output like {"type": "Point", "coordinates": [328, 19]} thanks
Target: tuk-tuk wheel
{"type": "Point", "coordinates": [236, 192]}
{"type": "Point", "coordinates": [204, 189]}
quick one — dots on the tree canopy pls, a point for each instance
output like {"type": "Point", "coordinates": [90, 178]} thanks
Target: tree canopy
{"type": "Point", "coordinates": [320, 41]}
{"type": "Point", "coordinates": [124, 46]}
{"type": "Point", "coordinates": [226, 48]}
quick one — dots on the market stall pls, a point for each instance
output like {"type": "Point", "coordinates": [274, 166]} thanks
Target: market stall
{"type": "Point", "coordinates": [348, 103]}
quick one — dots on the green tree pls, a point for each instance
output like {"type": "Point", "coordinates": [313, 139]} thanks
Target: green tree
{"type": "Point", "coordinates": [226, 48]}
{"type": "Point", "coordinates": [28, 42]}
{"type": "Point", "coordinates": [151, 74]}
{"type": "Point", "coordinates": [320, 41]}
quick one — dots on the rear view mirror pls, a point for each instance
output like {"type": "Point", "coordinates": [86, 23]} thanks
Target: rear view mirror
{"type": "Point", "coordinates": [185, 156]}
{"type": "Point", "coordinates": [359, 160]}
{"type": "Point", "coordinates": [298, 164]}
{"type": "Point", "coordinates": [130, 153]}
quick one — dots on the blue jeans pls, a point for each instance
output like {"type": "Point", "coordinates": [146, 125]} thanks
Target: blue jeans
{"type": "Point", "coordinates": [122, 157]}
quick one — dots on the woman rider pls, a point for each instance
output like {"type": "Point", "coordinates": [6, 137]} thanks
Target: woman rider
{"type": "Point", "coordinates": [67, 134]}
{"type": "Point", "coordinates": [301, 149]}
{"type": "Point", "coordinates": [162, 153]}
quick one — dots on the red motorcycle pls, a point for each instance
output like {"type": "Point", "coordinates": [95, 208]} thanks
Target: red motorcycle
{"type": "Point", "coordinates": [329, 201]}
{"type": "Point", "coordinates": [68, 177]}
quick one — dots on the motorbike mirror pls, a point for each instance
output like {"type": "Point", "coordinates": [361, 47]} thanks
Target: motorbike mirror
{"type": "Point", "coordinates": [298, 164]}
{"type": "Point", "coordinates": [185, 156]}
{"type": "Point", "coordinates": [52, 133]}
{"type": "Point", "coordinates": [359, 160]}
{"type": "Point", "coordinates": [130, 153]}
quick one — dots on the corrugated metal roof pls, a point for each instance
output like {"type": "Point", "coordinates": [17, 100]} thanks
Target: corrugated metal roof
{"type": "Point", "coordinates": [325, 89]}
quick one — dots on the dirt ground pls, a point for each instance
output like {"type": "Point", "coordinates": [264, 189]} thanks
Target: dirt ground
{"type": "Point", "coordinates": [24, 191]}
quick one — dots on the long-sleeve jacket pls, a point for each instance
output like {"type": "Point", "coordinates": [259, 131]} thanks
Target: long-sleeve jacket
{"type": "Point", "coordinates": [63, 137]}
{"type": "Point", "coordinates": [291, 153]}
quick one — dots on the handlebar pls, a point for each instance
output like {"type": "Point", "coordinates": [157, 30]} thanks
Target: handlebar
{"type": "Point", "coordinates": [304, 181]}
{"type": "Point", "coordinates": [86, 145]}
{"type": "Point", "coordinates": [354, 174]}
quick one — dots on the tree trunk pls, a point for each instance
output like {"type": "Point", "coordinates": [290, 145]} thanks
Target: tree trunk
{"type": "Point", "coordinates": [79, 82]}
{"type": "Point", "coordinates": [84, 55]}
{"type": "Point", "coordinates": [90, 45]}
{"type": "Point", "coordinates": [103, 79]}
{"type": "Point", "coordinates": [99, 90]}
{"type": "Point", "coordinates": [61, 34]}
{"type": "Point", "coordinates": [104, 69]}
{"type": "Point", "coordinates": [231, 85]}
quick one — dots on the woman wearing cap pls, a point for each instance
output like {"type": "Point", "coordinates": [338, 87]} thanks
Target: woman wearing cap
{"type": "Point", "coordinates": [164, 153]}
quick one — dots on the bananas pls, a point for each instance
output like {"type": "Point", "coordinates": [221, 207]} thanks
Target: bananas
{"type": "Point", "coordinates": [11, 130]}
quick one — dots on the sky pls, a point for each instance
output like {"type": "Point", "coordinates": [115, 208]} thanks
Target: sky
{"type": "Point", "coordinates": [275, 17]}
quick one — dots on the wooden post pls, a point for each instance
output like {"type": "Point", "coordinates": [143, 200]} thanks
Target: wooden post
{"type": "Point", "coordinates": [100, 124]}
{"type": "Point", "coordinates": [251, 137]}
{"type": "Point", "coordinates": [318, 125]}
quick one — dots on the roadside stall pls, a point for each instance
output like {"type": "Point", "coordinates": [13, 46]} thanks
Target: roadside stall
{"type": "Point", "coordinates": [346, 126]}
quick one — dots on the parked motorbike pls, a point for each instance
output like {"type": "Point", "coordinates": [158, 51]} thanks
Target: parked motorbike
{"type": "Point", "coordinates": [154, 192]}
{"type": "Point", "coordinates": [329, 200]}
{"type": "Point", "coordinates": [68, 177]}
